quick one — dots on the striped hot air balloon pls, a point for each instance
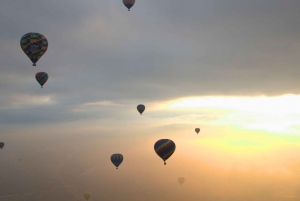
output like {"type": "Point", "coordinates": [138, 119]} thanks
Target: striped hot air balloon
{"type": "Point", "coordinates": [116, 159]}
{"type": "Point", "coordinates": [164, 148]}
{"type": "Point", "coordinates": [42, 78]}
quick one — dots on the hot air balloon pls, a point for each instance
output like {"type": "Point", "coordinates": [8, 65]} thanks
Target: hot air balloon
{"type": "Point", "coordinates": [197, 130]}
{"type": "Point", "coordinates": [42, 78]}
{"type": "Point", "coordinates": [128, 3]}
{"type": "Point", "coordinates": [181, 180]}
{"type": "Point", "coordinates": [87, 195]}
{"type": "Point", "coordinates": [164, 148]}
{"type": "Point", "coordinates": [141, 108]}
{"type": "Point", "coordinates": [34, 46]}
{"type": "Point", "coordinates": [1, 145]}
{"type": "Point", "coordinates": [116, 159]}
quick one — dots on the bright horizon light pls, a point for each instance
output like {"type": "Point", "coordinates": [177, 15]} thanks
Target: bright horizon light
{"type": "Point", "coordinates": [275, 114]}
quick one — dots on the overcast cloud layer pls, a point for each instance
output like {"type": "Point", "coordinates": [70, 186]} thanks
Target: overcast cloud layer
{"type": "Point", "coordinates": [98, 51]}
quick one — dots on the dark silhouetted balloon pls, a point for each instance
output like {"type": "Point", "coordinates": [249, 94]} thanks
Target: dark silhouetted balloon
{"type": "Point", "coordinates": [1, 145]}
{"type": "Point", "coordinates": [141, 108]}
{"type": "Point", "coordinates": [34, 46]}
{"type": "Point", "coordinates": [42, 78]}
{"type": "Point", "coordinates": [197, 130]}
{"type": "Point", "coordinates": [116, 159]}
{"type": "Point", "coordinates": [164, 148]}
{"type": "Point", "coordinates": [128, 3]}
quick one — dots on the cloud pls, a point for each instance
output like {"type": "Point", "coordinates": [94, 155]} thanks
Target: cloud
{"type": "Point", "coordinates": [199, 48]}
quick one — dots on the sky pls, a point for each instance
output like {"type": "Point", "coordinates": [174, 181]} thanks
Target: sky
{"type": "Point", "coordinates": [229, 67]}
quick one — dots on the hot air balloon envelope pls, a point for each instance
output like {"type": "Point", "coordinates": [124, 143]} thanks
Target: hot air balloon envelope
{"type": "Point", "coordinates": [197, 130]}
{"type": "Point", "coordinates": [116, 159]}
{"type": "Point", "coordinates": [87, 195]}
{"type": "Point", "coordinates": [41, 77]}
{"type": "Point", "coordinates": [1, 145]}
{"type": "Point", "coordinates": [164, 148]}
{"type": "Point", "coordinates": [34, 46]}
{"type": "Point", "coordinates": [181, 180]}
{"type": "Point", "coordinates": [128, 3]}
{"type": "Point", "coordinates": [141, 108]}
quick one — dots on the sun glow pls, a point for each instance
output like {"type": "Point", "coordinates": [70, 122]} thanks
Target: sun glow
{"type": "Point", "coordinates": [276, 114]}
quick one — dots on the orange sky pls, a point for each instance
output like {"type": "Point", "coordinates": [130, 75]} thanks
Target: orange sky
{"type": "Point", "coordinates": [224, 161]}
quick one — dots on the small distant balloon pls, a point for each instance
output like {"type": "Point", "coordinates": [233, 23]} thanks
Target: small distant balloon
{"type": "Point", "coordinates": [197, 130]}
{"type": "Point", "coordinates": [116, 159]}
{"type": "Point", "coordinates": [181, 180]}
{"type": "Point", "coordinates": [164, 148]}
{"type": "Point", "coordinates": [1, 145]}
{"type": "Point", "coordinates": [34, 45]}
{"type": "Point", "coordinates": [141, 108]}
{"type": "Point", "coordinates": [87, 195]}
{"type": "Point", "coordinates": [42, 78]}
{"type": "Point", "coordinates": [128, 3]}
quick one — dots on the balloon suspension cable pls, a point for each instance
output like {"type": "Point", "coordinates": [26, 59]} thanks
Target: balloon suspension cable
{"type": "Point", "coordinates": [34, 64]}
